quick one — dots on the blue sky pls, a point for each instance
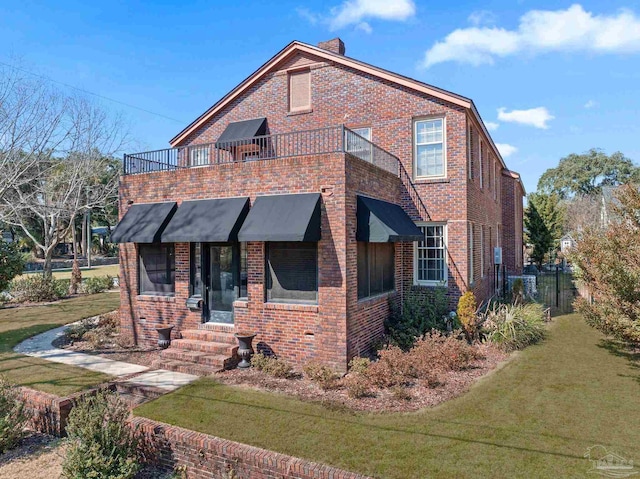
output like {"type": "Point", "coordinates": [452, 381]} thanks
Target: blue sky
{"type": "Point", "coordinates": [555, 77]}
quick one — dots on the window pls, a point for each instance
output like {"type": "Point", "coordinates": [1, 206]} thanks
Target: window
{"type": "Point", "coordinates": [198, 155]}
{"type": "Point", "coordinates": [357, 146]}
{"type": "Point", "coordinates": [482, 251]}
{"type": "Point", "coordinates": [376, 268]}
{"type": "Point", "coordinates": [471, 255]}
{"type": "Point", "coordinates": [299, 90]}
{"type": "Point", "coordinates": [292, 272]}
{"type": "Point", "coordinates": [157, 269]}
{"type": "Point", "coordinates": [481, 166]}
{"type": "Point", "coordinates": [429, 148]}
{"type": "Point", "coordinates": [430, 263]}
{"type": "Point", "coordinates": [470, 152]}
{"type": "Point", "coordinates": [495, 180]}
{"type": "Point", "coordinates": [243, 270]}
{"type": "Point", "coordinates": [196, 269]}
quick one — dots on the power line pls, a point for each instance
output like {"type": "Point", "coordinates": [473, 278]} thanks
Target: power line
{"type": "Point", "coordinates": [92, 93]}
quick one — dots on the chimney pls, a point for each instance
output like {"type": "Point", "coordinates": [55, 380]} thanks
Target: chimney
{"type": "Point", "coordinates": [335, 45]}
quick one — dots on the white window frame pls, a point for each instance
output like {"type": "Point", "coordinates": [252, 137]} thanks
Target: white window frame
{"type": "Point", "coordinates": [482, 252]}
{"type": "Point", "coordinates": [471, 254]}
{"type": "Point", "coordinates": [481, 150]}
{"type": "Point", "coordinates": [444, 146]}
{"type": "Point", "coordinates": [199, 155]}
{"type": "Point", "coordinates": [445, 240]}
{"type": "Point", "coordinates": [470, 151]}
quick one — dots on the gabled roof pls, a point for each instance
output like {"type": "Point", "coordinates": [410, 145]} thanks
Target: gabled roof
{"type": "Point", "coordinates": [295, 47]}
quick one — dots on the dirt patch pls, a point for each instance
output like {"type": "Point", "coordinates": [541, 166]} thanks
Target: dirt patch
{"type": "Point", "coordinates": [415, 396]}
{"type": "Point", "coordinates": [38, 456]}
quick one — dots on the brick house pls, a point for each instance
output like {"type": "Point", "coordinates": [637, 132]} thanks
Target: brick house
{"type": "Point", "coordinates": [299, 205]}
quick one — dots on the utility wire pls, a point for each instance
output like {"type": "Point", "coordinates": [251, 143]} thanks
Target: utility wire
{"type": "Point", "coordinates": [92, 93]}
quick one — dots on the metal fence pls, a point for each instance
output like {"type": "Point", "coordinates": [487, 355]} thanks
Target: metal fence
{"type": "Point", "coordinates": [266, 147]}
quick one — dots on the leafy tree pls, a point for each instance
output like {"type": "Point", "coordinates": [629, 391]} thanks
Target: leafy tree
{"type": "Point", "coordinates": [543, 225]}
{"type": "Point", "coordinates": [11, 263]}
{"type": "Point", "coordinates": [608, 262]}
{"type": "Point", "coordinates": [587, 173]}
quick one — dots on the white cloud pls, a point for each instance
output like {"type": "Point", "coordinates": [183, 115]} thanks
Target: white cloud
{"type": "Point", "coordinates": [482, 17]}
{"type": "Point", "coordinates": [491, 125]}
{"type": "Point", "coordinates": [506, 150]}
{"type": "Point", "coordinates": [591, 104]}
{"type": "Point", "coordinates": [357, 12]}
{"type": "Point", "coordinates": [537, 117]}
{"type": "Point", "coordinates": [573, 29]}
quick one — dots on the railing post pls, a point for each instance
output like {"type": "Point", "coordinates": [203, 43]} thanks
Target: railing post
{"type": "Point", "coordinates": [124, 164]}
{"type": "Point", "coordinates": [342, 138]}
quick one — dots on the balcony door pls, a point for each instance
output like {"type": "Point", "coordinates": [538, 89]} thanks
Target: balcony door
{"type": "Point", "coordinates": [221, 282]}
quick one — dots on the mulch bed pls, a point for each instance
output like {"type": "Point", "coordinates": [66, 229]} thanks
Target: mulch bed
{"type": "Point", "coordinates": [381, 400]}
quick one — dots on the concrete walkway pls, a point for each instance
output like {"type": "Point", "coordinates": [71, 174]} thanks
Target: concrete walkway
{"type": "Point", "coordinates": [40, 346]}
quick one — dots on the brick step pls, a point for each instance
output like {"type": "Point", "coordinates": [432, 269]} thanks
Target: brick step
{"type": "Point", "coordinates": [184, 367]}
{"type": "Point", "coordinates": [204, 346]}
{"type": "Point", "coordinates": [207, 335]}
{"type": "Point", "coordinates": [216, 361]}
{"type": "Point", "coordinates": [223, 328]}
{"type": "Point", "coordinates": [135, 394]}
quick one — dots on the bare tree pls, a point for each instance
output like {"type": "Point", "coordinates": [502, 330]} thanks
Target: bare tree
{"type": "Point", "coordinates": [56, 152]}
{"type": "Point", "coordinates": [582, 213]}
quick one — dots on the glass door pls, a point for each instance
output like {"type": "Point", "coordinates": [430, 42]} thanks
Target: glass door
{"type": "Point", "coordinates": [221, 284]}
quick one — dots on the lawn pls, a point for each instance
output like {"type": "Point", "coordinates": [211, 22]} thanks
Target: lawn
{"type": "Point", "coordinates": [110, 269]}
{"type": "Point", "coordinates": [18, 324]}
{"type": "Point", "coordinates": [535, 417]}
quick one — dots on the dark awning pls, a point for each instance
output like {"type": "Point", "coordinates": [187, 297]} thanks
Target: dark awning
{"type": "Point", "coordinates": [241, 130]}
{"type": "Point", "coordinates": [383, 222]}
{"type": "Point", "coordinates": [207, 220]}
{"type": "Point", "coordinates": [283, 218]}
{"type": "Point", "coordinates": [144, 223]}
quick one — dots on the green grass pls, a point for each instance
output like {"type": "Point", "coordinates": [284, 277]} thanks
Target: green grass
{"type": "Point", "coordinates": [18, 324]}
{"type": "Point", "coordinates": [108, 269]}
{"type": "Point", "coordinates": [535, 417]}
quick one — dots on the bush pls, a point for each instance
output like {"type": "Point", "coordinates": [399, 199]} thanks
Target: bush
{"type": "Point", "coordinates": [37, 288]}
{"type": "Point", "coordinates": [11, 263]}
{"type": "Point", "coordinates": [13, 417]}
{"type": "Point", "coordinates": [517, 291]}
{"type": "Point", "coordinates": [97, 284]}
{"type": "Point", "coordinates": [359, 365]}
{"type": "Point", "coordinates": [323, 375]}
{"type": "Point", "coordinates": [76, 277]}
{"type": "Point", "coordinates": [391, 369]}
{"type": "Point", "coordinates": [401, 393]}
{"type": "Point", "coordinates": [278, 368]}
{"type": "Point", "coordinates": [437, 352]}
{"type": "Point", "coordinates": [514, 326]}
{"type": "Point", "coordinates": [467, 314]}
{"type": "Point", "coordinates": [76, 332]}
{"type": "Point", "coordinates": [420, 313]}
{"type": "Point", "coordinates": [100, 442]}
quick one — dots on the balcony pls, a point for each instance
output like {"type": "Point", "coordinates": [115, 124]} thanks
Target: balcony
{"type": "Point", "coordinates": [338, 139]}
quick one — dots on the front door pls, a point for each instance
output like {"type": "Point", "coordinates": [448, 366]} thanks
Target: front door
{"type": "Point", "coordinates": [221, 283]}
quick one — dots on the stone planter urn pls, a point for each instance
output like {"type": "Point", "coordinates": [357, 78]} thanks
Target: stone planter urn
{"type": "Point", "coordinates": [164, 337]}
{"type": "Point", "coordinates": [245, 349]}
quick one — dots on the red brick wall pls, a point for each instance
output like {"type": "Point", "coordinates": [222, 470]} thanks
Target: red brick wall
{"type": "Point", "coordinates": [209, 457]}
{"type": "Point", "coordinates": [512, 230]}
{"type": "Point", "coordinates": [47, 413]}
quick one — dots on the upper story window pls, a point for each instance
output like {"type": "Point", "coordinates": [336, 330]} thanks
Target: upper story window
{"type": "Point", "coordinates": [198, 155]}
{"type": "Point", "coordinates": [470, 152]}
{"type": "Point", "coordinates": [429, 148]}
{"type": "Point", "coordinates": [357, 146]}
{"type": "Point", "coordinates": [157, 273]}
{"type": "Point", "coordinates": [300, 90]}
{"type": "Point", "coordinates": [481, 164]}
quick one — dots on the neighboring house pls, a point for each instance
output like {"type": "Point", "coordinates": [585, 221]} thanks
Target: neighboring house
{"type": "Point", "coordinates": [301, 204]}
{"type": "Point", "coordinates": [567, 243]}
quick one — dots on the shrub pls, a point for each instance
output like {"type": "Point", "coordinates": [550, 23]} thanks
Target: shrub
{"type": "Point", "coordinates": [517, 291]}
{"type": "Point", "coordinates": [97, 284]}
{"type": "Point", "coordinates": [36, 288]}
{"type": "Point", "coordinates": [359, 365]}
{"type": "Point", "coordinates": [13, 417]}
{"type": "Point", "coordinates": [76, 277]}
{"type": "Point", "coordinates": [420, 313]}
{"type": "Point", "coordinates": [437, 352]}
{"type": "Point", "coordinates": [467, 314]}
{"type": "Point", "coordinates": [391, 369]}
{"type": "Point", "coordinates": [11, 263]}
{"type": "Point", "coordinates": [278, 368]}
{"type": "Point", "coordinates": [100, 442]}
{"type": "Point", "coordinates": [323, 375]}
{"type": "Point", "coordinates": [357, 385]}
{"type": "Point", "coordinates": [514, 326]}
{"type": "Point", "coordinates": [76, 332]}
{"type": "Point", "coordinates": [401, 393]}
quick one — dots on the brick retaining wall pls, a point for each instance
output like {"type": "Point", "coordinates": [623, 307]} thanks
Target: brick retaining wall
{"type": "Point", "coordinates": [48, 413]}
{"type": "Point", "coordinates": [209, 457]}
